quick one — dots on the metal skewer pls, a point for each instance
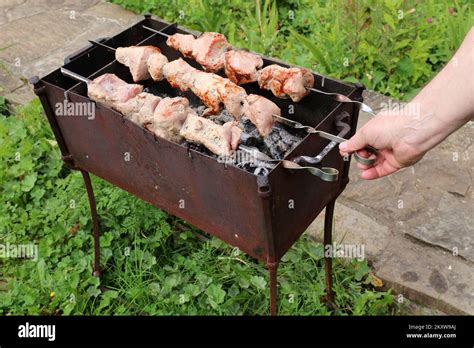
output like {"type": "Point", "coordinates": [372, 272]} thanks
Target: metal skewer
{"type": "Point", "coordinates": [102, 45]}
{"type": "Point", "coordinates": [343, 99]}
{"type": "Point", "coordinates": [339, 97]}
{"type": "Point", "coordinates": [325, 173]}
{"type": "Point", "coordinates": [258, 155]}
{"type": "Point", "coordinates": [297, 125]}
{"type": "Point", "coordinates": [155, 31]}
{"type": "Point", "coordinates": [147, 38]}
{"type": "Point", "coordinates": [309, 129]}
{"type": "Point", "coordinates": [74, 76]}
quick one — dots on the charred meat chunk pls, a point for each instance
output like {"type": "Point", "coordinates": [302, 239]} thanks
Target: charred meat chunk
{"type": "Point", "coordinates": [221, 140]}
{"type": "Point", "coordinates": [109, 89]}
{"type": "Point", "coordinates": [286, 82]}
{"type": "Point", "coordinates": [242, 66]}
{"type": "Point", "coordinates": [136, 58]}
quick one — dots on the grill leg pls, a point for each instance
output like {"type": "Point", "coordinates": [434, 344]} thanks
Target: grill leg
{"type": "Point", "coordinates": [95, 222]}
{"type": "Point", "coordinates": [328, 241]}
{"type": "Point", "coordinates": [272, 269]}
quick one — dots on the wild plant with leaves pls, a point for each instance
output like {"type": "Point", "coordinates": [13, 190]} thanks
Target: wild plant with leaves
{"type": "Point", "coordinates": [392, 46]}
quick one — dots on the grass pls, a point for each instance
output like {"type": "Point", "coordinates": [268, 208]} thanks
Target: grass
{"type": "Point", "coordinates": [392, 46]}
{"type": "Point", "coordinates": [154, 264]}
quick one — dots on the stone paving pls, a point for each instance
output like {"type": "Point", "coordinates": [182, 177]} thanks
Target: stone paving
{"type": "Point", "coordinates": [417, 226]}
{"type": "Point", "coordinates": [36, 36]}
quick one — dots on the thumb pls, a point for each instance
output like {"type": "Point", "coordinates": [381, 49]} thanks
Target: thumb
{"type": "Point", "coordinates": [357, 142]}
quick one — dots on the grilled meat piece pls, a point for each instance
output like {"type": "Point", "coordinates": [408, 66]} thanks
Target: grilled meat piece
{"type": "Point", "coordinates": [209, 49]}
{"type": "Point", "coordinates": [164, 117]}
{"type": "Point", "coordinates": [212, 89]}
{"type": "Point", "coordinates": [155, 64]}
{"type": "Point", "coordinates": [286, 82]}
{"type": "Point", "coordinates": [206, 87]}
{"type": "Point", "coordinates": [241, 66]}
{"type": "Point", "coordinates": [169, 117]}
{"type": "Point", "coordinates": [266, 79]}
{"type": "Point", "coordinates": [260, 111]}
{"type": "Point", "coordinates": [108, 89]}
{"type": "Point", "coordinates": [140, 108]}
{"type": "Point", "coordinates": [221, 140]}
{"type": "Point", "coordinates": [233, 134]}
{"type": "Point", "coordinates": [233, 97]}
{"type": "Point", "coordinates": [136, 57]}
{"type": "Point", "coordinates": [179, 74]}
{"type": "Point", "coordinates": [182, 43]}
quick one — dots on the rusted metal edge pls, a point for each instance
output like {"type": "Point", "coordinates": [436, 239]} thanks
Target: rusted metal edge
{"type": "Point", "coordinates": [328, 223]}
{"type": "Point", "coordinates": [97, 272]}
{"type": "Point", "coordinates": [354, 115]}
{"type": "Point", "coordinates": [265, 193]}
{"type": "Point", "coordinates": [39, 88]}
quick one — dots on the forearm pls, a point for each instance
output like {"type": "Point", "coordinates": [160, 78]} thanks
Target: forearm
{"type": "Point", "coordinates": [446, 103]}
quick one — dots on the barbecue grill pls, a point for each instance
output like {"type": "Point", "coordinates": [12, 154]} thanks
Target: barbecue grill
{"type": "Point", "coordinates": [261, 214]}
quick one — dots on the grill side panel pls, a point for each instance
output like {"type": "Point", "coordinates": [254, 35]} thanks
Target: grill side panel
{"type": "Point", "coordinates": [220, 200]}
{"type": "Point", "coordinates": [298, 196]}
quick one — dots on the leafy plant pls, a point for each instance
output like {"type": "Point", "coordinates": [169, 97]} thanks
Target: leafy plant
{"type": "Point", "coordinates": [4, 110]}
{"type": "Point", "coordinates": [392, 46]}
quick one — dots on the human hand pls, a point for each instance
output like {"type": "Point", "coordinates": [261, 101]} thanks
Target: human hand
{"type": "Point", "coordinates": [391, 134]}
{"type": "Point", "coordinates": [404, 135]}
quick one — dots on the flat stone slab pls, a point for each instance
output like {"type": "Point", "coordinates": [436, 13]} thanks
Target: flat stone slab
{"type": "Point", "coordinates": [427, 275]}
{"type": "Point", "coordinates": [431, 201]}
{"type": "Point", "coordinates": [36, 36]}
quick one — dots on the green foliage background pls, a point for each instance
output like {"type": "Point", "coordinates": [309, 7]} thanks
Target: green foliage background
{"type": "Point", "coordinates": [392, 46]}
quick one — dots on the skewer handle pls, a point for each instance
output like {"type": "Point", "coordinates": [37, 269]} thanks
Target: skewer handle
{"type": "Point", "coordinates": [75, 76]}
{"type": "Point", "coordinates": [343, 99]}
